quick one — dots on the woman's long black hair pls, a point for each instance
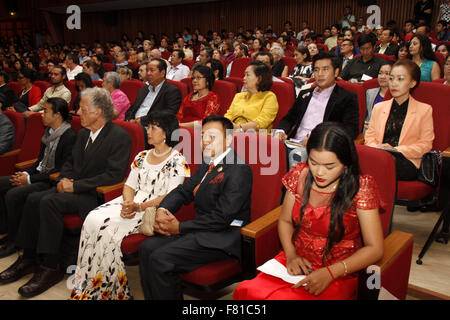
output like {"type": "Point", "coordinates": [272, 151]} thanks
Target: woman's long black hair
{"type": "Point", "coordinates": [333, 137]}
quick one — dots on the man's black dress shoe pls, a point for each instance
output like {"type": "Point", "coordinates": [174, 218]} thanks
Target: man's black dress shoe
{"type": "Point", "coordinates": [7, 249]}
{"type": "Point", "coordinates": [17, 270]}
{"type": "Point", "coordinates": [44, 278]}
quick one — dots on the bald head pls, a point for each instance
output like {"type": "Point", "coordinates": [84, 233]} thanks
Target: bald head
{"type": "Point", "coordinates": [155, 53]}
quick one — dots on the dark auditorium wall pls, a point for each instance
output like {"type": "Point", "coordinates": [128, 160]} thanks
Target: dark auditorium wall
{"type": "Point", "coordinates": [229, 14]}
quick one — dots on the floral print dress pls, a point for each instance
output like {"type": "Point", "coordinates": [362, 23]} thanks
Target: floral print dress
{"type": "Point", "coordinates": [100, 272]}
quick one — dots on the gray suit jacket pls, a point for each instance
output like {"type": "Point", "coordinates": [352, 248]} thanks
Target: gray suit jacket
{"type": "Point", "coordinates": [371, 94]}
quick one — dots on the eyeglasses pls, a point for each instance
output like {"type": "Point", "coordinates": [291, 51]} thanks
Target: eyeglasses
{"type": "Point", "coordinates": [197, 78]}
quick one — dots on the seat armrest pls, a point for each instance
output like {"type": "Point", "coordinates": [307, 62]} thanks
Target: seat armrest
{"type": "Point", "coordinates": [262, 224]}
{"type": "Point", "coordinates": [10, 153]}
{"type": "Point", "coordinates": [54, 176]}
{"type": "Point", "coordinates": [25, 164]}
{"type": "Point", "coordinates": [393, 246]}
{"type": "Point", "coordinates": [446, 153]}
{"type": "Point", "coordinates": [360, 139]}
{"type": "Point", "coordinates": [105, 189]}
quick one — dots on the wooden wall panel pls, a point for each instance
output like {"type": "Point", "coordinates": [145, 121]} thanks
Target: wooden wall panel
{"type": "Point", "coordinates": [231, 14]}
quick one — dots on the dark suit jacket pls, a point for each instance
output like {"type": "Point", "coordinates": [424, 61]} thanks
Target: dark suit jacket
{"type": "Point", "coordinates": [7, 134]}
{"type": "Point", "coordinates": [10, 96]}
{"type": "Point", "coordinates": [216, 204]}
{"type": "Point", "coordinates": [167, 100]}
{"type": "Point", "coordinates": [105, 163]}
{"type": "Point", "coordinates": [342, 107]}
{"type": "Point", "coordinates": [62, 154]}
{"type": "Point", "coordinates": [391, 50]}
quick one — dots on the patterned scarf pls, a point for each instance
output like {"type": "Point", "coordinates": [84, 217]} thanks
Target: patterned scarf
{"type": "Point", "coordinates": [51, 143]}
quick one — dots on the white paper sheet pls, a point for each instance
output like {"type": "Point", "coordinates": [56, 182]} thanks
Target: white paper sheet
{"type": "Point", "coordinates": [276, 269]}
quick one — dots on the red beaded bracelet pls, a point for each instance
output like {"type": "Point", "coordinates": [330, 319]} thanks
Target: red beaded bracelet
{"type": "Point", "coordinates": [330, 273]}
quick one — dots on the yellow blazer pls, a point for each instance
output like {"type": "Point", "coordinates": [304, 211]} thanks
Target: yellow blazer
{"type": "Point", "coordinates": [261, 108]}
{"type": "Point", "coordinates": [417, 135]}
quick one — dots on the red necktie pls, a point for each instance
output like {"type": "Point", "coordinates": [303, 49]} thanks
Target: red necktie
{"type": "Point", "coordinates": [210, 168]}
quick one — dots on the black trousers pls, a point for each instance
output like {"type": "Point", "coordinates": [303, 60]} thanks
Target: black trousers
{"type": "Point", "coordinates": [42, 225]}
{"type": "Point", "coordinates": [406, 170]}
{"type": "Point", "coordinates": [162, 258]}
{"type": "Point", "coordinates": [12, 201]}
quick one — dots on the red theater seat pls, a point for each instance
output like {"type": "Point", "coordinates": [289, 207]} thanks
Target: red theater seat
{"type": "Point", "coordinates": [15, 86]}
{"type": "Point", "coordinates": [181, 86]}
{"type": "Point", "coordinates": [43, 85]}
{"type": "Point", "coordinates": [285, 96]}
{"type": "Point", "coordinates": [131, 88]}
{"type": "Point", "coordinates": [290, 62]}
{"type": "Point", "coordinates": [27, 141]}
{"type": "Point", "coordinates": [238, 67]}
{"type": "Point", "coordinates": [225, 91]}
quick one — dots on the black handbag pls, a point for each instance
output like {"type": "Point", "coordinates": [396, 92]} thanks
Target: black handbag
{"type": "Point", "coordinates": [430, 168]}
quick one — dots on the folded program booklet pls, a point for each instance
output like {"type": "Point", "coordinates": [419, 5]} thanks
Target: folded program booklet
{"type": "Point", "coordinates": [276, 269]}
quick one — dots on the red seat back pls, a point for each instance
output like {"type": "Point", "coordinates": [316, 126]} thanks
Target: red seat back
{"type": "Point", "coordinates": [267, 158]}
{"type": "Point", "coordinates": [15, 86]}
{"type": "Point", "coordinates": [285, 96]}
{"type": "Point", "coordinates": [442, 80]}
{"type": "Point", "coordinates": [134, 65]}
{"type": "Point", "coordinates": [71, 85]}
{"type": "Point", "coordinates": [290, 62]}
{"type": "Point", "coordinates": [225, 91]}
{"type": "Point", "coordinates": [441, 60]}
{"type": "Point", "coordinates": [324, 46]}
{"type": "Point", "coordinates": [238, 67]}
{"type": "Point", "coordinates": [370, 84]}
{"type": "Point", "coordinates": [32, 139]}
{"type": "Point", "coordinates": [181, 86]}
{"type": "Point", "coordinates": [97, 83]}
{"type": "Point", "coordinates": [361, 96]}
{"type": "Point", "coordinates": [436, 95]}
{"type": "Point", "coordinates": [43, 85]}
{"type": "Point", "coordinates": [75, 122]}
{"type": "Point", "coordinates": [166, 54]}
{"type": "Point", "coordinates": [188, 63]}
{"type": "Point", "coordinates": [385, 176]}
{"type": "Point", "coordinates": [188, 83]}
{"type": "Point", "coordinates": [18, 122]}
{"type": "Point", "coordinates": [108, 66]}
{"type": "Point", "coordinates": [137, 139]}
{"type": "Point", "coordinates": [238, 82]}
{"type": "Point", "coordinates": [131, 88]}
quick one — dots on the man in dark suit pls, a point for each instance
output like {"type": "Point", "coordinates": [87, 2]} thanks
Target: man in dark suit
{"type": "Point", "coordinates": [10, 96]}
{"type": "Point", "coordinates": [326, 102]}
{"type": "Point", "coordinates": [386, 47]}
{"type": "Point", "coordinates": [99, 157]}
{"type": "Point", "coordinates": [221, 189]}
{"type": "Point", "coordinates": [158, 96]}
{"type": "Point", "coordinates": [56, 148]}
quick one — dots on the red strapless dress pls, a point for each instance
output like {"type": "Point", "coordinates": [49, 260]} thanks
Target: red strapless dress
{"type": "Point", "coordinates": [311, 241]}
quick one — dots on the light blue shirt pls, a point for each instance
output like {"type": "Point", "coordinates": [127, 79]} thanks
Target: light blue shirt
{"type": "Point", "coordinates": [148, 101]}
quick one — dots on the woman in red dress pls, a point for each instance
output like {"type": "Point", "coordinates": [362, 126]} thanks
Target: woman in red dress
{"type": "Point", "coordinates": [327, 208]}
{"type": "Point", "coordinates": [202, 102]}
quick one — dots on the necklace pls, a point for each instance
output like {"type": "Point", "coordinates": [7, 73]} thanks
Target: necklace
{"type": "Point", "coordinates": [160, 154]}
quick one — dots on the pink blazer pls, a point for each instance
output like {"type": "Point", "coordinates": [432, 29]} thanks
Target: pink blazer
{"type": "Point", "coordinates": [417, 135]}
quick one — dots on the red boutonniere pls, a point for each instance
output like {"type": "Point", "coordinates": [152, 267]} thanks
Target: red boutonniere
{"type": "Point", "coordinates": [217, 179]}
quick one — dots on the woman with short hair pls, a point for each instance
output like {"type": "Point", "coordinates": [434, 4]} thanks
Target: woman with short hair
{"type": "Point", "coordinates": [201, 102]}
{"type": "Point", "coordinates": [256, 108]}
{"type": "Point", "coordinates": [111, 82]}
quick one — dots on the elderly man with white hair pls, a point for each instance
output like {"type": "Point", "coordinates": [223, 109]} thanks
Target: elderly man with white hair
{"type": "Point", "coordinates": [156, 54]}
{"type": "Point", "coordinates": [99, 157]}
{"type": "Point", "coordinates": [111, 82]}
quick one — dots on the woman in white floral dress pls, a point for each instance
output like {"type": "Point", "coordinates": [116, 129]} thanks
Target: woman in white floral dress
{"type": "Point", "coordinates": [100, 272]}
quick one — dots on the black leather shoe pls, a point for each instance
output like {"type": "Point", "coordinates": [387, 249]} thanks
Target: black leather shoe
{"type": "Point", "coordinates": [17, 270]}
{"type": "Point", "coordinates": [44, 278]}
{"type": "Point", "coordinates": [7, 249]}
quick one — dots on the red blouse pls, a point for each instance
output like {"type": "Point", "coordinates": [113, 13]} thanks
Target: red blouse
{"type": "Point", "coordinates": [199, 109]}
{"type": "Point", "coordinates": [313, 234]}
